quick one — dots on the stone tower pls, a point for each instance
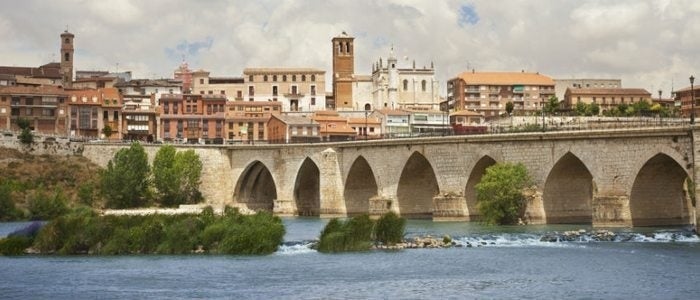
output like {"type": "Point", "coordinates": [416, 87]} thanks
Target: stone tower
{"type": "Point", "coordinates": [343, 70]}
{"type": "Point", "coordinates": [67, 58]}
{"type": "Point", "coordinates": [393, 78]}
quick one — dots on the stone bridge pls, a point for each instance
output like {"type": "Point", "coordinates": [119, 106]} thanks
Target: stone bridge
{"type": "Point", "coordinates": [635, 177]}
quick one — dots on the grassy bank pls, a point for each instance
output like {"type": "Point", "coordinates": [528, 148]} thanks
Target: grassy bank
{"type": "Point", "coordinates": [84, 232]}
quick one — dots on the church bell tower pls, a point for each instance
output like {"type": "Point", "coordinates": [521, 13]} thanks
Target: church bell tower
{"type": "Point", "coordinates": [343, 70]}
{"type": "Point", "coordinates": [67, 58]}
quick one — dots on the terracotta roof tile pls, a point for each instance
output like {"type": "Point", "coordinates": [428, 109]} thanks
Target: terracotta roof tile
{"type": "Point", "coordinates": [505, 78]}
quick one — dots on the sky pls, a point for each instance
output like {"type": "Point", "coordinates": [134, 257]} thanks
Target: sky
{"type": "Point", "coordinates": [651, 44]}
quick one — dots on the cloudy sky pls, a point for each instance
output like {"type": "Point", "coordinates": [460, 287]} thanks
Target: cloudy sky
{"type": "Point", "coordinates": [648, 44]}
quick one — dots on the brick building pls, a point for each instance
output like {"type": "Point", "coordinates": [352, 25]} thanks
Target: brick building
{"type": "Point", "coordinates": [606, 98]}
{"type": "Point", "coordinates": [44, 106]}
{"type": "Point", "coordinates": [246, 121]}
{"type": "Point", "coordinates": [192, 118]}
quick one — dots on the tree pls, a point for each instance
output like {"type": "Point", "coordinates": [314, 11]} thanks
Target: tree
{"type": "Point", "coordinates": [509, 107]}
{"type": "Point", "coordinates": [593, 109]}
{"type": "Point", "coordinates": [500, 197]}
{"type": "Point", "coordinates": [580, 109]}
{"type": "Point", "coordinates": [176, 176]}
{"type": "Point", "coordinates": [189, 167]}
{"type": "Point", "coordinates": [26, 136]}
{"type": "Point", "coordinates": [107, 131]}
{"type": "Point", "coordinates": [8, 210]}
{"type": "Point", "coordinates": [124, 183]}
{"type": "Point", "coordinates": [552, 105]}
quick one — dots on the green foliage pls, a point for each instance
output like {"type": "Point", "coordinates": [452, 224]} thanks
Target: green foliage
{"type": "Point", "coordinates": [354, 234]}
{"type": "Point", "coordinates": [8, 210]}
{"type": "Point", "coordinates": [23, 123]}
{"type": "Point", "coordinates": [107, 131]}
{"type": "Point", "coordinates": [86, 193]}
{"type": "Point", "coordinates": [14, 245]}
{"type": "Point", "coordinates": [509, 107]}
{"type": "Point", "coordinates": [499, 193]}
{"type": "Point", "coordinates": [124, 183]}
{"type": "Point", "coordinates": [26, 137]}
{"type": "Point", "coordinates": [390, 228]}
{"type": "Point", "coordinates": [165, 180]}
{"type": "Point", "coordinates": [177, 176]}
{"type": "Point", "coordinates": [45, 207]}
{"type": "Point", "coordinates": [261, 233]}
{"type": "Point", "coordinates": [83, 232]}
{"type": "Point", "coordinates": [552, 105]}
{"type": "Point", "coordinates": [583, 109]}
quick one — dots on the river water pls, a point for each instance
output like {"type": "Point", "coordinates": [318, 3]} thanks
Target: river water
{"type": "Point", "coordinates": [510, 263]}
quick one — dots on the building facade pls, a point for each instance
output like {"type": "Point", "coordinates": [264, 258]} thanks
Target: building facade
{"type": "Point", "coordinates": [343, 71]}
{"type": "Point", "coordinates": [246, 120]}
{"type": "Point", "coordinates": [139, 118]}
{"type": "Point", "coordinates": [293, 128]}
{"type": "Point", "coordinates": [44, 107]}
{"type": "Point", "coordinates": [192, 118]}
{"type": "Point", "coordinates": [606, 98]}
{"type": "Point", "coordinates": [67, 50]}
{"type": "Point", "coordinates": [684, 97]}
{"type": "Point", "coordinates": [560, 85]}
{"type": "Point", "coordinates": [298, 89]}
{"type": "Point", "coordinates": [488, 92]}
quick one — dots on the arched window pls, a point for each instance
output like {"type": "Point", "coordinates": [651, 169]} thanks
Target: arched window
{"type": "Point", "coordinates": [368, 107]}
{"type": "Point", "coordinates": [274, 77]}
{"type": "Point", "coordinates": [265, 78]}
{"type": "Point", "coordinates": [405, 85]}
{"type": "Point", "coordinates": [284, 78]}
{"type": "Point", "coordinates": [313, 77]}
{"type": "Point", "coordinates": [294, 77]}
{"type": "Point", "coordinates": [250, 78]}
{"type": "Point", "coordinates": [347, 48]}
{"type": "Point", "coordinates": [67, 41]}
{"type": "Point", "coordinates": [303, 77]}
{"type": "Point", "coordinates": [66, 57]}
{"type": "Point", "coordinates": [340, 48]}
{"type": "Point", "coordinates": [422, 85]}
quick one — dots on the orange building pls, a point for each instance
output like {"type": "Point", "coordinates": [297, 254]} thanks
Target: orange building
{"type": "Point", "coordinates": [44, 106]}
{"type": "Point", "coordinates": [90, 111]}
{"type": "Point", "coordinates": [343, 70]}
{"type": "Point", "coordinates": [192, 118]}
{"type": "Point", "coordinates": [293, 128]}
{"type": "Point", "coordinates": [246, 120]}
{"type": "Point", "coordinates": [333, 127]}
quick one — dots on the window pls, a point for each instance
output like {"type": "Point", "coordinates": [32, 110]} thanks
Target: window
{"type": "Point", "coordinates": [274, 90]}
{"type": "Point", "coordinates": [166, 126]}
{"type": "Point", "coordinates": [211, 92]}
{"type": "Point", "coordinates": [313, 101]}
{"type": "Point", "coordinates": [201, 81]}
{"type": "Point", "coordinates": [405, 85]}
{"type": "Point", "coordinates": [250, 78]}
{"type": "Point", "coordinates": [230, 125]}
{"type": "Point", "coordinates": [294, 90]}
{"type": "Point", "coordinates": [265, 78]}
{"type": "Point", "coordinates": [251, 91]}
{"type": "Point", "coordinates": [274, 78]}
{"type": "Point", "coordinates": [115, 116]}
{"type": "Point", "coordinates": [66, 57]}
{"type": "Point", "coordinates": [423, 85]}
{"type": "Point", "coordinates": [239, 94]}
{"type": "Point", "coordinates": [67, 41]}
{"type": "Point", "coordinates": [105, 115]}
{"type": "Point", "coordinates": [313, 77]}
{"type": "Point", "coordinates": [303, 77]}
{"type": "Point", "coordinates": [223, 92]}
{"type": "Point", "coordinates": [188, 108]}
{"type": "Point", "coordinates": [294, 77]}
{"type": "Point", "coordinates": [313, 90]}
{"type": "Point", "coordinates": [47, 112]}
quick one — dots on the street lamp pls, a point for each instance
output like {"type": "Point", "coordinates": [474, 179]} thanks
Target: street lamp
{"type": "Point", "coordinates": [692, 99]}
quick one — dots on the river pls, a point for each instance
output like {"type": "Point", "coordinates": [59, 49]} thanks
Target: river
{"type": "Point", "coordinates": [509, 263]}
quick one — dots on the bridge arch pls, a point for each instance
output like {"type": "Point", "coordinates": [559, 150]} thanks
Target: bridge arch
{"type": "Point", "coordinates": [477, 172]}
{"type": "Point", "coordinates": [417, 187]}
{"type": "Point", "coordinates": [256, 187]}
{"type": "Point", "coordinates": [659, 193]}
{"type": "Point", "coordinates": [568, 192]}
{"type": "Point", "coordinates": [307, 192]}
{"type": "Point", "coordinates": [360, 186]}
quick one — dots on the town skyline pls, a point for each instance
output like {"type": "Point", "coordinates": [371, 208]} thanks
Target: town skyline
{"type": "Point", "coordinates": [647, 44]}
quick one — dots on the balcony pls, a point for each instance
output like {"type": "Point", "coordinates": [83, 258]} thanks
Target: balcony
{"type": "Point", "coordinates": [294, 95]}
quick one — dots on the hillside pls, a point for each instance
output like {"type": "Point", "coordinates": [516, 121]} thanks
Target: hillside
{"type": "Point", "coordinates": [28, 174]}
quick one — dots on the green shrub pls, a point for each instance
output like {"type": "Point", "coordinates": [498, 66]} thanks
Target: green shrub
{"type": "Point", "coordinates": [44, 207]}
{"type": "Point", "coordinates": [86, 193]}
{"type": "Point", "coordinates": [261, 233]}
{"type": "Point", "coordinates": [14, 245]}
{"type": "Point", "coordinates": [125, 183]}
{"type": "Point", "coordinates": [181, 237]}
{"type": "Point", "coordinates": [499, 193]}
{"type": "Point", "coordinates": [354, 234]}
{"type": "Point", "coordinates": [8, 210]}
{"type": "Point", "coordinates": [390, 229]}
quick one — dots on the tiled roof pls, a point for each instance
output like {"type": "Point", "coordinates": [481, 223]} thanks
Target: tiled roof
{"type": "Point", "coordinates": [505, 78]}
{"type": "Point", "coordinates": [393, 112]}
{"type": "Point", "coordinates": [52, 70]}
{"type": "Point", "coordinates": [613, 91]}
{"type": "Point", "coordinates": [467, 113]}
{"type": "Point", "coordinates": [296, 120]}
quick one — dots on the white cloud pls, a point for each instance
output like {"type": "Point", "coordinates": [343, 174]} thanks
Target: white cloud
{"type": "Point", "coordinates": [646, 43]}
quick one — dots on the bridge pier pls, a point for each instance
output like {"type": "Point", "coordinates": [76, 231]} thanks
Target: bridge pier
{"type": "Point", "coordinates": [450, 207]}
{"type": "Point", "coordinates": [611, 211]}
{"type": "Point", "coordinates": [379, 205]}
